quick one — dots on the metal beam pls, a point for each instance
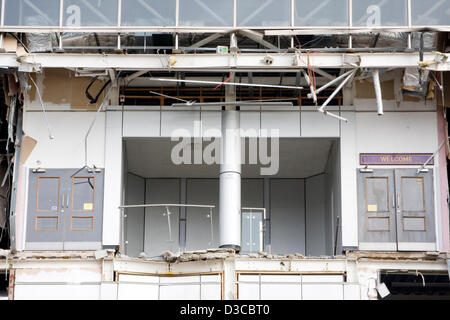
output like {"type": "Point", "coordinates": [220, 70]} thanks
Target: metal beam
{"type": "Point", "coordinates": [258, 37]}
{"type": "Point", "coordinates": [207, 40]}
{"type": "Point", "coordinates": [217, 62]}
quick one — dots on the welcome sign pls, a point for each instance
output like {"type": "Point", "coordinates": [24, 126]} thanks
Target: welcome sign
{"type": "Point", "coordinates": [395, 158]}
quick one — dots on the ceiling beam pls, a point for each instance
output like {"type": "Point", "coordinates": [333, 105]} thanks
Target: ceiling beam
{"type": "Point", "coordinates": [244, 62]}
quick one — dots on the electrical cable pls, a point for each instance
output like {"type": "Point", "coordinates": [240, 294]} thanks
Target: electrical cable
{"type": "Point", "coordinates": [50, 135]}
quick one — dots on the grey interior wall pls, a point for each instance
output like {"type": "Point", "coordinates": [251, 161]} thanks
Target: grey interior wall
{"type": "Point", "coordinates": [315, 215]}
{"type": "Point", "coordinates": [252, 193]}
{"type": "Point", "coordinates": [287, 212]}
{"type": "Point", "coordinates": [134, 233]}
{"type": "Point", "coordinates": [198, 225]}
{"type": "Point", "coordinates": [157, 240]}
{"type": "Point", "coordinates": [333, 201]}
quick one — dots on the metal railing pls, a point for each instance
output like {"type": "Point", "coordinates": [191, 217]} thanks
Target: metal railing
{"type": "Point", "coordinates": [166, 213]}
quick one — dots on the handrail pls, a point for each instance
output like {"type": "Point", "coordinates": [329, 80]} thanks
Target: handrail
{"type": "Point", "coordinates": [168, 213]}
{"type": "Point", "coordinates": [166, 205]}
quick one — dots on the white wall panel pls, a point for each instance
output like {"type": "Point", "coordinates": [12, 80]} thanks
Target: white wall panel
{"type": "Point", "coordinates": [349, 161]}
{"type": "Point", "coordinates": [290, 290]}
{"type": "Point", "coordinates": [66, 150]}
{"type": "Point", "coordinates": [287, 122]}
{"type": "Point", "coordinates": [287, 212]}
{"type": "Point", "coordinates": [321, 287]}
{"type": "Point", "coordinates": [250, 290]}
{"type": "Point", "coordinates": [177, 288]}
{"type": "Point", "coordinates": [211, 123]}
{"type": "Point", "coordinates": [141, 123]}
{"type": "Point", "coordinates": [113, 179]}
{"type": "Point", "coordinates": [135, 287]}
{"type": "Point", "coordinates": [250, 122]}
{"type": "Point", "coordinates": [109, 291]}
{"type": "Point", "coordinates": [173, 120]}
{"type": "Point", "coordinates": [211, 287]}
{"type": "Point", "coordinates": [396, 132]}
{"type": "Point", "coordinates": [352, 292]}
{"type": "Point", "coordinates": [315, 124]}
{"type": "Point", "coordinates": [56, 292]}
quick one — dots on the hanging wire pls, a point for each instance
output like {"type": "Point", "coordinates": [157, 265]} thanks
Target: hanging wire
{"type": "Point", "coordinates": [50, 135]}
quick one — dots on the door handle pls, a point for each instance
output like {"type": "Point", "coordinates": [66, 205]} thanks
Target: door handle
{"type": "Point", "coordinates": [62, 202]}
{"type": "Point", "coordinates": [398, 201]}
{"type": "Point", "coordinates": [67, 202]}
{"type": "Point", "coordinates": [393, 200]}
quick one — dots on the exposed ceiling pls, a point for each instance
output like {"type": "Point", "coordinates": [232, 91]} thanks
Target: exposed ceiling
{"type": "Point", "coordinates": [299, 158]}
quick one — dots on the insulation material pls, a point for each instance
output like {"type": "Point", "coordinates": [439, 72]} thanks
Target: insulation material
{"type": "Point", "coordinates": [39, 42]}
{"type": "Point", "coordinates": [429, 40]}
{"type": "Point", "coordinates": [9, 44]}
{"type": "Point", "coordinates": [97, 40]}
{"type": "Point", "coordinates": [60, 86]}
{"type": "Point", "coordinates": [28, 145]}
{"type": "Point", "coordinates": [416, 82]}
{"type": "Point", "coordinates": [365, 90]}
{"type": "Point", "coordinates": [373, 40]}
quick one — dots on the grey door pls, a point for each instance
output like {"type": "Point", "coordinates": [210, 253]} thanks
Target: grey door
{"type": "Point", "coordinates": [376, 210]}
{"type": "Point", "coordinates": [83, 210]}
{"type": "Point", "coordinates": [45, 218]}
{"type": "Point", "coordinates": [415, 210]}
{"type": "Point", "coordinates": [64, 211]}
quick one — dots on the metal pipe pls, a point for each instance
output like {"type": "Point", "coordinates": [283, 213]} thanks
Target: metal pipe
{"type": "Point", "coordinates": [321, 109]}
{"type": "Point", "coordinates": [227, 83]}
{"type": "Point", "coordinates": [376, 84]}
{"type": "Point", "coordinates": [333, 82]}
{"type": "Point", "coordinates": [167, 205]}
{"type": "Point", "coordinates": [230, 181]}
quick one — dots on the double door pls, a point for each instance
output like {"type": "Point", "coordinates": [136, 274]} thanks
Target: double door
{"type": "Point", "coordinates": [396, 210]}
{"type": "Point", "coordinates": [65, 209]}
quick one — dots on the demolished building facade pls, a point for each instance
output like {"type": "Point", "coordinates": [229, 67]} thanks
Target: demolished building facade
{"type": "Point", "coordinates": [232, 149]}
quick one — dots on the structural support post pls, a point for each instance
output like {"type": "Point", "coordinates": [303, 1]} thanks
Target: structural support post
{"type": "Point", "coordinates": [377, 85]}
{"type": "Point", "coordinates": [230, 172]}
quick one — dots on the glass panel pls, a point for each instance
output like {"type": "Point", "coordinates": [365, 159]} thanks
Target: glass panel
{"type": "Point", "coordinates": [148, 13]}
{"type": "Point", "coordinates": [48, 194]}
{"type": "Point", "coordinates": [375, 13]}
{"type": "Point", "coordinates": [46, 224]}
{"type": "Point", "coordinates": [32, 13]}
{"type": "Point", "coordinates": [206, 13]}
{"type": "Point", "coordinates": [414, 224]}
{"type": "Point", "coordinates": [83, 193]}
{"type": "Point", "coordinates": [430, 12]}
{"type": "Point", "coordinates": [321, 13]}
{"type": "Point", "coordinates": [377, 194]}
{"type": "Point", "coordinates": [263, 13]}
{"type": "Point", "coordinates": [413, 199]}
{"type": "Point", "coordinates": [252, 232]}
{"type": "Point", "coordinates": [90, 13]}
{"type": "Point", "coordinates": [82, 224]}
{"type": "Point", "coordinates": [378, 224]}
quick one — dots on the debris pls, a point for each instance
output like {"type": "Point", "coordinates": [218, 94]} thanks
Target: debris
{"type": "Point", "coordinates": [100, 254]}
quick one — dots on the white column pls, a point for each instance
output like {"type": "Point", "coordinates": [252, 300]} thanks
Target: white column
{"type": "Point", "coordinates": [230, 181]}
{"type": "Point", "coordinates": [230, 169]}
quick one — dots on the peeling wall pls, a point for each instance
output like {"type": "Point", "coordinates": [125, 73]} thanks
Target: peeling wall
{"type": "Point", "coordinates": [61, 89]}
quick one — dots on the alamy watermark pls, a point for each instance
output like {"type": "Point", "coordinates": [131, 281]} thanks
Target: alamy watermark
{"type": "Point", "coordinates": [207, 147]}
